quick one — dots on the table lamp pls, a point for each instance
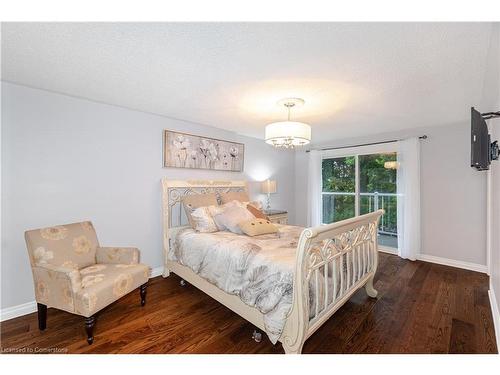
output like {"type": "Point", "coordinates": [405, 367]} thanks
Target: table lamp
{"type": "Point", "coordinates": [268, 187]}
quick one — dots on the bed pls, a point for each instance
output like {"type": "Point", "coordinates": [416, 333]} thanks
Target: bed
{"type": "Point", "coordinates": [286, 284]}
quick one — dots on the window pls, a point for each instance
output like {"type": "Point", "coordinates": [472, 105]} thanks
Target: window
{"type": "Point", "coordinates": [357, 184]}
{"type": "Point", "coordinates": [339, 189]}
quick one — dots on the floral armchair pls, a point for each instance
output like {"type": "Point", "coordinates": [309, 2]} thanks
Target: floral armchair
{"type": "Point", "coordinates": [72, 272]}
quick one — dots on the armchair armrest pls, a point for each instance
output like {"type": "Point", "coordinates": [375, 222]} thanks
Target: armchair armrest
{"type": "Point", "coordinates": [56, 286]}
{"type": "Point", "coordinates": [66, 275]}
{"type": "Point", "coordinates": [117, 255]}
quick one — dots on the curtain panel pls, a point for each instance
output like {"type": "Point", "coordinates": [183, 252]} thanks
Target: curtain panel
{"type": "Point", "coordinates": [408, 189]}
{"type": "Point", "coordinates": [314, 182]}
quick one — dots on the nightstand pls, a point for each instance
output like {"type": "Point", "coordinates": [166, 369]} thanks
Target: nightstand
{"type": "Point", "coordinates": [277, 216]}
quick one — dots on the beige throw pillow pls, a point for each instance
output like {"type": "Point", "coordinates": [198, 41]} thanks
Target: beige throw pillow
{"type": "Point", "coordinates": [256, 212]}
{"type": "Point", "coordinates": [256, 204]}
{"type": "Point", "coordinates": [257, 227]}
{"type": "Point", "coordinates": [241, 196]}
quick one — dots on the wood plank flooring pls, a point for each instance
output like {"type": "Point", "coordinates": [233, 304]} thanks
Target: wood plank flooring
{"type": "Point", "coordinates": [421, 308]}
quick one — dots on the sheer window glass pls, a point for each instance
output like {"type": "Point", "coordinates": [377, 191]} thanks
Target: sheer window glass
{"type": "Point", "coordinates": [359, 184]}
{"type": "Point", "coordinates": [339, 189]}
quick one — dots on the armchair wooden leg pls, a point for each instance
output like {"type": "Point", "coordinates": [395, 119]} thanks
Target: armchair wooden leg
{"type": "Point", "coordinates": [42, 316]}
{"type": "Point", "coordinates": [143, 290]}
{"type": "Point", "coordinates": [89, 328]}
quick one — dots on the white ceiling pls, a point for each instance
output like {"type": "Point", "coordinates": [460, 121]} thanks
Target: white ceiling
{"type": "Point", "coordinates": [356, 78]}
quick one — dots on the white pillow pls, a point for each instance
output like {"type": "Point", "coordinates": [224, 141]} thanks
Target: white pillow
{"type": "Point", "coordinates": [215, 210]}
{"type": "Point", "coordinates": [231, 217]}
{"type": "Point", "coordinates": [234, 203]}
{"type": "Point", "coordinates": [203, 220]}
{"type": "Point", "coordinates": [203, 217]}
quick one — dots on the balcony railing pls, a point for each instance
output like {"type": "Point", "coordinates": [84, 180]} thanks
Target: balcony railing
{"type": "Point", "coordinates": [368, 202]}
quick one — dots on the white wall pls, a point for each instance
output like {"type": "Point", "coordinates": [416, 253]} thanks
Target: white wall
{"type": "Point", "coordinates": [491, 102]}
{"type": "Point", "coordinates": [66, 159]}
{"type": "Point", "coordinates": [495, 231]}
{"type": "Point", "coordinates": [453, 195]}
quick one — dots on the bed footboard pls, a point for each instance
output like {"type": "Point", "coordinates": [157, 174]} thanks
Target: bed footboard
{"type": "Point", "coordinates": [333, 262]}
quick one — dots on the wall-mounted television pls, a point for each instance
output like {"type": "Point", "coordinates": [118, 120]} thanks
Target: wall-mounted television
{"type": "Point", "coordinates": [483, 151]}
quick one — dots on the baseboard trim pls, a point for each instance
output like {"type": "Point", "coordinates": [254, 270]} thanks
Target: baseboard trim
{"type": "Point", "coordinates": [30, 307]}
{"type": "Point", "coordinates": [387, 250]}
{"type": "Point", "coordinates": [19, 310]}
{"type": "Point", "coordinates": [157, 271]}
{"type": "Point", "coordinates": [453, 263]}
{"type": "Point", "coordinates": [495, 312]}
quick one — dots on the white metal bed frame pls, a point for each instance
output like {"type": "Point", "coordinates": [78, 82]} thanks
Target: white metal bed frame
{"type": "Point", "coordinates": [321, 251]}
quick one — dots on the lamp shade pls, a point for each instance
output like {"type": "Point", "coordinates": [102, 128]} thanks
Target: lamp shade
{"type": "Point", "coordinates": [268, 187]}
{"type": "Point", "coordinates": [391, 165]}
{"type": "Point", "coordinates": [288, 134]}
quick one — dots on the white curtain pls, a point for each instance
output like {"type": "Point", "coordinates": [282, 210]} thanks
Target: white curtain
{"type": "Point", "coordinates": [408, 189]}
{"type": "Point", "coordinates": [314, 181]}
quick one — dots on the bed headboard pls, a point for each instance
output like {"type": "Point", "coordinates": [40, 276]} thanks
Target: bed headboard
{"type": "Point", "coordinates": [174, 217]}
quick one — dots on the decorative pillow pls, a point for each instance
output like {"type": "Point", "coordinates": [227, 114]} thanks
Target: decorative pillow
{"type": "Point", "coordinates": [192, 202]}
{"type": "Point", "coordinates": [241, 196]}
{"type": "Point", "coordinates": [257, 227]}
{"type": "Point", "coordinates": [256, 212]}
{"type": "Point", "coordinates": [233, 203]}
{"type": "Point", "coordinates": [256, 204]}
{"type": "Point", "coordinates": [203, 220]}
{"type": "Point", "coordinates": [215, 210]}
{"type": "Point", "coordinates": [231, 217]}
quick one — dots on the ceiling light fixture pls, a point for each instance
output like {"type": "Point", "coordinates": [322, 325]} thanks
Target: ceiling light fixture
{"type": "Point", "coordinates": [391, 165]}
{"type": "Point", "coordinates": [288, 134]}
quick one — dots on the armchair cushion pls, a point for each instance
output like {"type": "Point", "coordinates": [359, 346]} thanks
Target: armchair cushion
{"type": "Point", "coordinates": [56, 286]}
{"type": "Point", "coordinates": [71, 245]}
{"type": "Point", "coordinates": [117, 255]}
{"type": "Point", "coordinates": [103, 284]}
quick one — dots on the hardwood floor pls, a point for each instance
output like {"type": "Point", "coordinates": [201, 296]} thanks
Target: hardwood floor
{"type": "Point", "coordinates": [421, 308]}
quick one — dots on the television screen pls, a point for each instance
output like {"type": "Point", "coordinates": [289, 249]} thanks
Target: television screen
{"type": "Point", "coordinates": [480, 142]}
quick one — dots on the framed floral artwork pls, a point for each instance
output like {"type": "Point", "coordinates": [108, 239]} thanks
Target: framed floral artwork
{"type": "Point", "coordinates": [181, 150]}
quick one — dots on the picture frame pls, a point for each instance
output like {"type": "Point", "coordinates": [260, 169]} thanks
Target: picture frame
{"type": "Point", "coordinates": [184, 150]}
